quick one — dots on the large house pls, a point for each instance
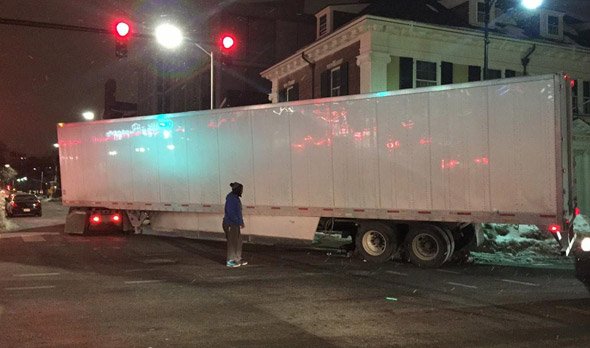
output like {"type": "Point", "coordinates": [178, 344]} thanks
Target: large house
{"type": "Point", "coordinates": [385, 45]}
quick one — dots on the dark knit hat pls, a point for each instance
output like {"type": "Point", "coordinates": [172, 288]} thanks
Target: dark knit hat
{"type": "Point", "coordinates": [237, 188]}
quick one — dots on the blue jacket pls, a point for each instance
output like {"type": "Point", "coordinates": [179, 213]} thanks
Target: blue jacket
{"type": "Point", "coordinates": [233, 210]}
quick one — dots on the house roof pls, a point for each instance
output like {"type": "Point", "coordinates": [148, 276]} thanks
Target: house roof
{"type": "Point", "coordinates": [426, 11]}
{"type": "Point", "coordinates": [509, 22]}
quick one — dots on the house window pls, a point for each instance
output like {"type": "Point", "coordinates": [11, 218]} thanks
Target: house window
{"type": "Point", "coordinates": [335, 82]}
{"type": "Point", "coordinates": [425, 74]}
{"type": "Point", "coordinates": [586, 98]}
{"type": "Point", "coordinates": [406, 72]}
{"type": "Point", "coordinates": [290, 93]}
{"type": "Point", "coordinates": [323, 26]}
{"type": "Point", "coordinates": [509, 73]}
{"type": "Point", "coordinates": [481, 12]}
{"type": "Point", "coordinates": [553, 25]}
{"type": "Point", "coordinates": [474, 73]}
{"type": "Point", "coordinates": [494, 74]}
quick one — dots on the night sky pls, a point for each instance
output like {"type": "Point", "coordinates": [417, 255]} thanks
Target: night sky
{"type": "Point", "coordinates": [49, 76]}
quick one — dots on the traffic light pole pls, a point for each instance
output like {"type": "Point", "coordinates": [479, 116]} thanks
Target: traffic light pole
{"type": "Point", "coordinates": [210, 54]}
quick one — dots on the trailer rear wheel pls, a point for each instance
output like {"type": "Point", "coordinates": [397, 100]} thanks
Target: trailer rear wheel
{"type": "Point", "coordinates": [428, 246]}
{"type": "Point", "coordinates": [376, 242]}
{"type": "Point", "coordinates": [451, 241]}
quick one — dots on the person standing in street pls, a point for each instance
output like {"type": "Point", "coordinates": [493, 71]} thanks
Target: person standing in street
{"type": "Point", "coordinates": [233, 222]}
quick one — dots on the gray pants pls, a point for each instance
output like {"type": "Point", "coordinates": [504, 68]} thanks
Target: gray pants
{"type": "Point", "coordinates": [234, 242]}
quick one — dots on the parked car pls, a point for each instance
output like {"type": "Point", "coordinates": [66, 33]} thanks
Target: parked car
{"type": "Point", "coordinates": [22, 204]}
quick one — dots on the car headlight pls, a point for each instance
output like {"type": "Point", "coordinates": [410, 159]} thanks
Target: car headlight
{"type": "Point", "coordinates": [585, 244]}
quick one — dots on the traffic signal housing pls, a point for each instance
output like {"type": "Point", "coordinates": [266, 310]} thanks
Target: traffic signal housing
{"type": "Point", "coordinates": [227, 48]}
{"type": "Point", "coordinates": [122, 33]}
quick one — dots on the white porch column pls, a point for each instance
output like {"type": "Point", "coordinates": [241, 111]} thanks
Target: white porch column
{"type": "Point", "coordinates": [273, 97]}
{"type": "Point", "coordinates": [373, 66]}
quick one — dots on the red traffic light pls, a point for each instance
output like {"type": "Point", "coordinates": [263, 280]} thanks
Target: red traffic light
{"type": "Point", "coordinates": [122, 29]}
{"type": "Point", "coordinates": [228, 42]}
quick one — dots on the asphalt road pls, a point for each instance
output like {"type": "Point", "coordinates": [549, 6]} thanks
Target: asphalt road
{"type": "Point", "coordinates": [58, 290]}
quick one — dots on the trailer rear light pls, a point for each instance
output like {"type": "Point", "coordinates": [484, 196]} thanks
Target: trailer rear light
{"type": "Point", "coordinates": [586, 244]}
{"type": "Point", "coordinates": [95, 219]}
{"type": "Point", "coordinates": [116, 218]}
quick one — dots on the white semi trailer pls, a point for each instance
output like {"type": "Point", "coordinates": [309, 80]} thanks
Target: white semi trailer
{"type": "Point", "coordinates": [412, 170]}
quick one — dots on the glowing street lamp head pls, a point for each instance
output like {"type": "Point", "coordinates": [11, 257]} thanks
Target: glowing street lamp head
{"type": "Point", "coordinates": [88, 115]}
{"type": "Point", "coordinates": [532, 4]}
{"type": "Point", "coordinates": [169, 36]}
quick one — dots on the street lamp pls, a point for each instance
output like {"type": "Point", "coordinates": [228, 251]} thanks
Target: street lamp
{"type": "Point", "coordinates": [488, 4]}
{"type": "Point", "coordinates": [171, 37]}
{"type": "Point", "coordinates": [88, 115]}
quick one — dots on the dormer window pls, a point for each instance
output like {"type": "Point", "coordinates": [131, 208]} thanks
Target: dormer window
{"type": "Point", "coordinates": [481, 12]}
{"type": "Point", "coordinates": [334, 17]}
{"type": "Point", "coordinates": [477, 13]}
{"type": "Point", "coordinates": [552, 25]}
{"type": "Point", "coordinates": [323, 26]}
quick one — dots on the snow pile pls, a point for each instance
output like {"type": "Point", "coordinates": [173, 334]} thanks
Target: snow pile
{"type": "Point", "coordinates": [523, 244]}
{"type": "Point", "coordinates": [5, 224]}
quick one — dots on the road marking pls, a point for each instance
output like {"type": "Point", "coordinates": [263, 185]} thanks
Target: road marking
{"type": "Point", "coordinates": [463, 285]}
{"type": "Point", "coordinates": [572, 309]}
{"type": "Point", "coordinates": [143, 281]}
{"type": "Point", "coordinates": [397, 273]}
{"type": "Point", "coordinates": [159, 261]}
{"type": "Point", "coordinates": [33, 239]}
{"type": "Point", "coordinates": [36, 274]}
{"type": "Point", "coordinates": [26, 234]}
{"type": "Point", "coordinates": [31, 287]}
{"type": "Point", "coordinates": [517, 282]}
{"type": "Point", "coordinates": [447, 271]}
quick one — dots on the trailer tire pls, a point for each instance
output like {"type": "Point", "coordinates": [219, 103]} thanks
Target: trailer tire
{"type": "Point", "coordinates": [451, 241]}
{"type": "Point", "coordinates": [376, 242]}
{"type": "Point", "coordinates": [427, 246]}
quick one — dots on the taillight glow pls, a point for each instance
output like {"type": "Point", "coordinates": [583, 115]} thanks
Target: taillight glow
{"type": "Point", "coordinates": [116, 218]}
{"type": "Point", "coordinates": [554, 228]}
{"type": "Point", "coordinates": [96, 219]}
{"type": "Point", "coordinates": [577, 211]}
{"type": "Point", "coordinates": [13, 204]}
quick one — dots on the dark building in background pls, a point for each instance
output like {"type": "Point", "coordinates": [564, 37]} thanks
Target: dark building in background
{"type": "Point", "coordinates": [265, 33]}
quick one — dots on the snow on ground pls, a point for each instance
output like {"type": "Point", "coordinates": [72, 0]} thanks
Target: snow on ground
{"type": "Point", "coordinates": [5, 224]}
{"type": "Point", "coordinates": [523, 245]}
{"type": "Point", "coordinates": [516, 245]}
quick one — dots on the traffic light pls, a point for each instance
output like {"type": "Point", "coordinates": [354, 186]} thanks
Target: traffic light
{"type": "Point", "coordinates": [228, 43]}
{"type": "Point", "coordinates": [227, 47]}
{"type": "Point", "coordinates": [122, 33]}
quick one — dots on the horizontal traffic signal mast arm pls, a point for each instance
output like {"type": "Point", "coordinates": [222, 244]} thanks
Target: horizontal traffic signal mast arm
{"type": "Point", "coordinates": [46, 25]}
